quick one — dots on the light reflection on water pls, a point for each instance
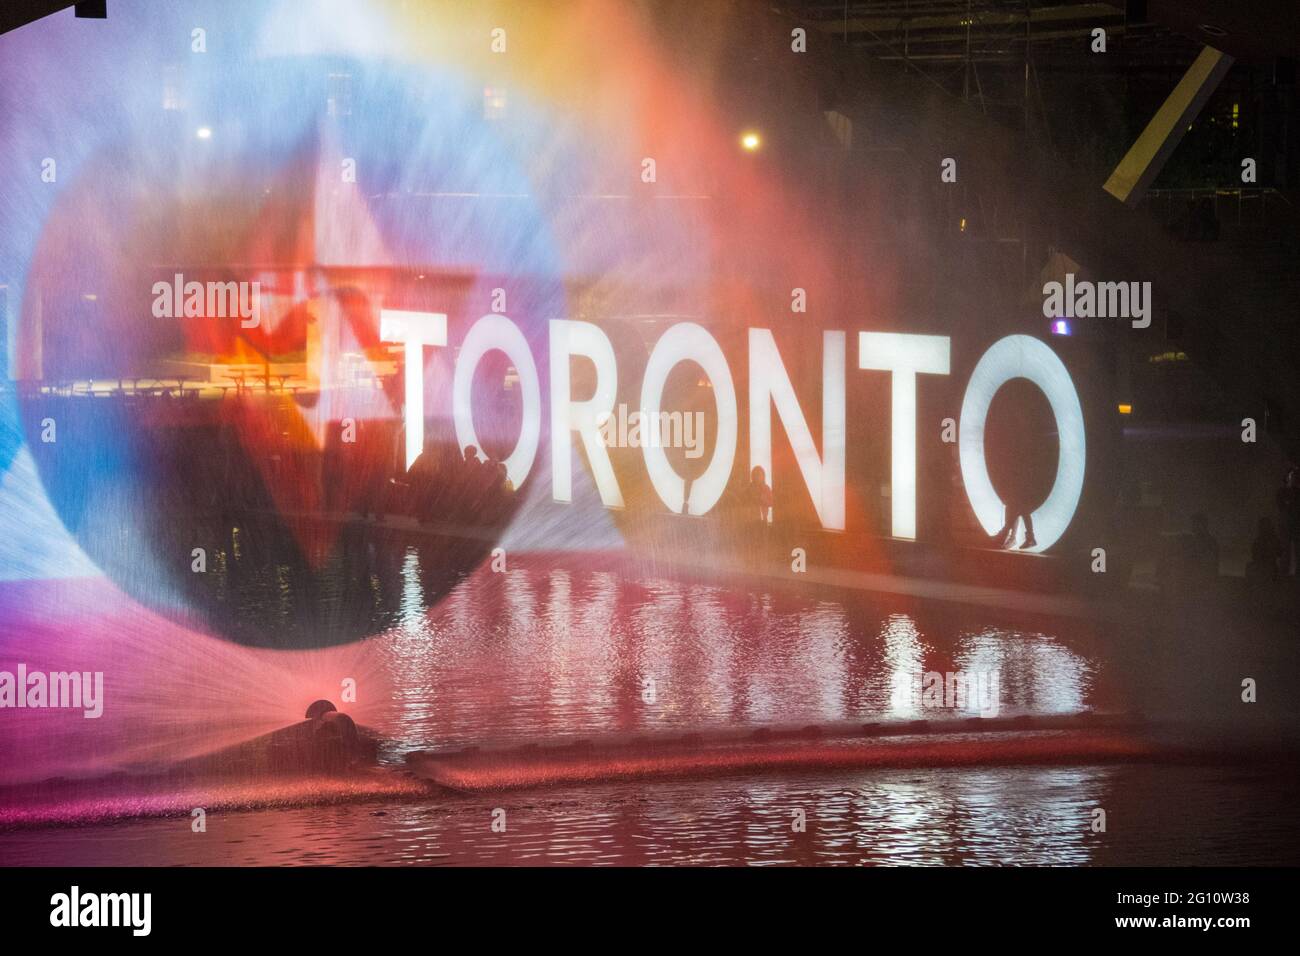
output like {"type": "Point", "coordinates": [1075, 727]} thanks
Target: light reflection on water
{"type": "Point", "coordinates": [947, 816]}
{"type": "Point", "coordinates": [565, 646]}
{"type": "Point", "coordinates": [562, 647]}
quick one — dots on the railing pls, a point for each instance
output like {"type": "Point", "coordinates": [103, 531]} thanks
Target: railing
{"type": "Point", "coordinates": [1227, 202]}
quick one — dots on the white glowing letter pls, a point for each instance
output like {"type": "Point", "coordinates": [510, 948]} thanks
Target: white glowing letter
{"type": "Point", "coordinates": [905, 356]}
{"type": "Point", "coordinates": [415, 330]}
{"type": "Point", "coordinates": [1021, 356]}
{"type": "Point", "coordinates": [685, 342]}
{"type": "Point", "coordinates": [769, 383]}
{"type": "Point", "coordinates": [496, 332]}
{"type": "Point", "coordinates": [581, 338]}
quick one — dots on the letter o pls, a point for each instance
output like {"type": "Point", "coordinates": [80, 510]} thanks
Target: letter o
{"type": "Point", "coordinates": [688, 341]}
{"type": "Point", "coordinates": [496, 332]}
{"type": "Point", "coordinates": [1022, 356]}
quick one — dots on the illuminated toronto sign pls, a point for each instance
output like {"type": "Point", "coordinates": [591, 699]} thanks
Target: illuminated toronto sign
{"type": "Point", "coordinates": [905, 357]}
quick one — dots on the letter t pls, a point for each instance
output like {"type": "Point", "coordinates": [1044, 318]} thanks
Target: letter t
{"type": "Point", "coordinates": [905, 356]}
{"type": "Point", "coordinates": [415, 330]}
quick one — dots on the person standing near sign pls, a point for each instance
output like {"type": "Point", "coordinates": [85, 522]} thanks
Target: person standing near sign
{"type": "Point", "coordinates": [760, 496]}
{"type": "Point", "coordinates": [1288, 504]}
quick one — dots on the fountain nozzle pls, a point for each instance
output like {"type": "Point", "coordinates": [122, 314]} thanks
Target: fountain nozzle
{"type": "Point", "coordinates": [319, 708]}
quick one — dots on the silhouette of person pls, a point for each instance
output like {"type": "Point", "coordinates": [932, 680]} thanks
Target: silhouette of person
{"type": "Point", "coordinates": [481, 485]}
{"type": "Point", "coordinates": [1288, 504]}
{"type": "Point", "coordinates": [496, 490]}
{"type": "Point", "coordinates": [1017, 509]}
{"type": "Point", "coordinates": [419, 482]}
{"type": "Point", "coordinates": [1201, 555]}
{"type": "Point", "coordinates": [375, 472]}
{"type": "Point", "coordinates": [760, 496]}
{"type": "Point", "coordinates": [1021, 456]}
{"type": "Point", "coordinates": [1266, 553]}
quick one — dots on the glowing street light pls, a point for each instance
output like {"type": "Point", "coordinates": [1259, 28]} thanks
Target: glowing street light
{"type": "Point", "coordinates": [750, 141]}
{"type": "Point", "coordinates": [203, 132]}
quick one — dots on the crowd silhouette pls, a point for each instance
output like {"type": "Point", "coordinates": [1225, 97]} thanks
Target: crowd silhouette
{"type": "Point", "coordinates": [461, 487]}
